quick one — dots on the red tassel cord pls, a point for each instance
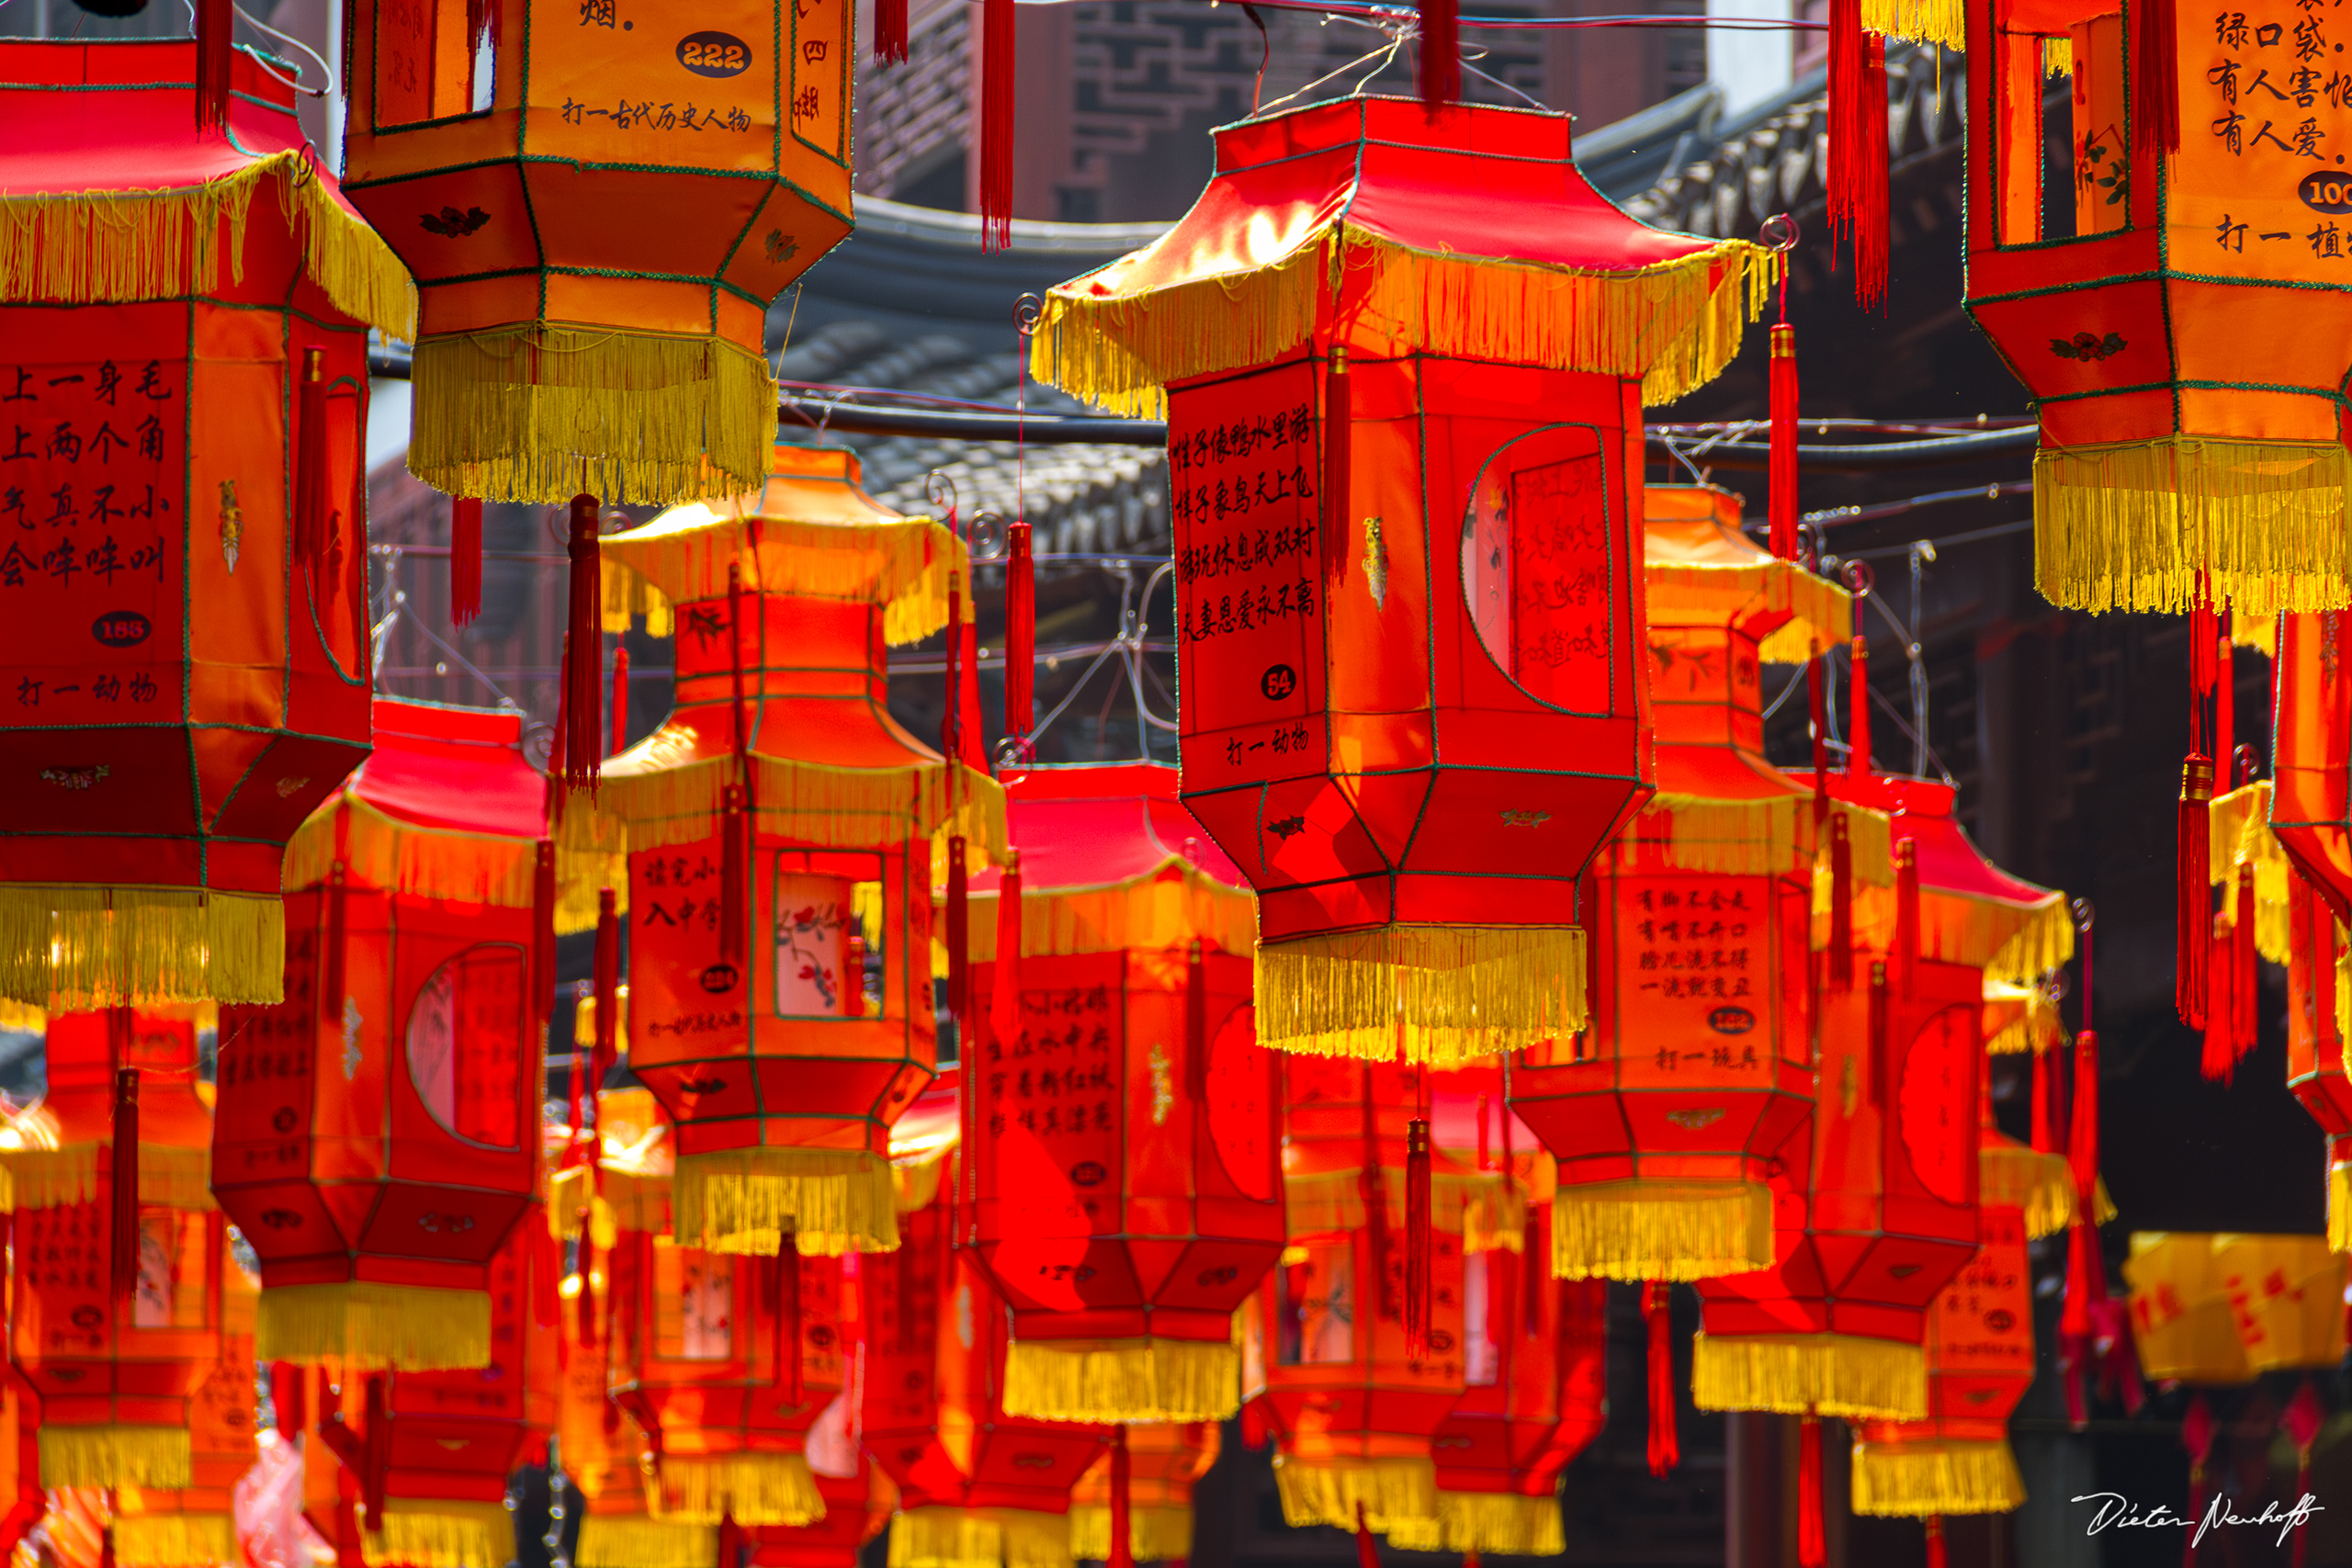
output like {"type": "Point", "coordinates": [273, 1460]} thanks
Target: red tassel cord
{"type": "Point", "coordinates": [1857, 156]}
{"type": "Point", "coordinates": [1367, 1550]}
{"type": "Point", "coordinates": [959, 936]}
{"type": "Point", "coordinates": [2192, 897]}
{"type": "Point", "coordinates": [730, 1542]}
{"type": "Point", "coordinates": [1858, 713]}
{"type": "Point", "coordinates": [2086, 1271]}
{"type": "Point", "coordinates": [734, 874]}
{"type": "Point", "coordinates": [1440, 54]}
{"type": "Point", "coordinates": [1875, 1039]}
{"type": "Point", "coordinates": [289, 1393]}
{"type": "Point", "coordinates": [1936, 1554]}
{"type": "Point", "coordinates": [1004, 1001]}
{"type": "Point", "coordinates": [607, 976]}
{"type": "Point", "coordinates": [2245, 973]}
{"type": "Point", "coordinates": [1339, 416]}
{"type": "Point", "coordinates": [465, 558]}
{"type": "Point", "coordinates": [2155, 81]}
{"type": "Point", "coordinates": [997, 33]}
{"type": "Point", "coordinates": [2197, 1431]}
{"type": "Point", "coordinates": [583, 651]}
{"type": "Point", "coordinates": [1783, 496]}
{"type": "Point", "coordinates": [2302, 1421]}
{"type": "Point", "coordinates": [2218, 1060]}
{"type": "Point", "coordinates": [1019, 634]}
{"type": "Point", "coordinates": [1841, 903]}
{"type": "Point", "coordinates": [1417, 1239]}
{"type": "Point", "coordinates": [951, 713]}
{"type": "Point", "coordinates": [216, 22]}
{"type": "Point", "coordinates": [123, 1231]}
{"type": "Point", "coordinates": [1813, 1542]}
{"type": "Point", "coordinates": [890, 32]}
{"type": "Point", "coordinates": [1666, 1444]}
{"type": "Point", "coordinates": [1907, 919]}
{"type": "Point", "coordinates": [621, 702]}
{"type": "Point", "coordinates": [585, 1306]}
{"type": "Point", "coordinates": [968, 702]}
{"type": "Point", "coordinates": [1123, 1552]}
{"type": "Point", "coordinates": [789, 1382]}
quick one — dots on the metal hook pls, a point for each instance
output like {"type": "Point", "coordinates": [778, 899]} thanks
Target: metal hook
{"type": "Point", "coordinates": [2084, 914]}
{"type": "Point", "coordinates": [989, 536]}
{"type": "Point", "coordinates": [1025, 312]}
{"type": "Point", "coordinates": [1778, 223]}
{"type": "Point", "coordinates": [937, 481]}
{"type": "Point", "coordinates": [1859, 578]}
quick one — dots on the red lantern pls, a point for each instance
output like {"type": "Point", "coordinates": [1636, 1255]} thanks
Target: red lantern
{"type": "Point", "coordinates": [1123, 1125]}
{"type": "Point", "coordinates": [1165, 1461]}
{"type": "Point", "coordinates": [976, 1486]}
{"type": "Point", "coordinates": [378, 1130]}
{"type": "Point", "coordinates": [194, 1527]}
{"type": "Point", "coordinates": [1689, 1096]}
{"type": "Point", "coordinates": [1403, 462]}
{"type": "Point", "coordinates": [778, 833]}
{"type": "Point", "coordinates": [187, 322]}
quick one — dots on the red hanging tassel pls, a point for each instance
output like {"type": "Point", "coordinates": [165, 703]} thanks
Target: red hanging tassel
{"type": "Point", "coordinates": [2218, 1060]}
{"type": "Point", "coordinates": [1020, 633]}
{"type": "Point", "coordinates": [583, 651]}
{"type": "Point", "coordinates": [375, 1477]}
{"type": "Point", "coordinates": [890, 32]}
{"type": "Point", "coordinates": [605, 974]}
{"type": "Point", "coordinates": [289, 1393]}
{"type": "Point", "coordinates": [2225, 710]}
{"type": "Point", "coordinates": [2085, 1272]}
{"type": "Point", "coordinates": [1936, 1555]}
{"type": "Point", "coordinates": [2192, 897]}
{"type": "Point", "coordinates": [1858, 722]}
{"type": "Point", "coordinates": [216, 22]}
{"type": "Point", "coordinates": [2302, 1421]}
{"type": "Point", "coordinates": [2245, 974]}
{"type": "Point", "coordinates": [950, 712]}
{"type": "Point", "coordinates": [790, 1384]}
{"type": "Point", "coordinates": [1004, 1000]}
{"type": "Point", "coordinates": [1196, 1024]}
{"type": "Point", "coordinates": [854, 977]}
{"type": "Point", "coordinates": [1367, 1550]}
{"type": "Point", "coordinates": [1417, 1239]}
{"type": "Point", "coordinates": [997, 33]}
{"type": "Point", "coordinates": [1440, 54]}
{"type": "Point", "coordinates": [1782, 489]}
{"type": "Point", "coordinates": [1666, 1443]}
{"type": "Point", "coordinates": [465, 558]}
{"type": "Point", "coordinates": [310, 464]}
{"type": "Point", "coordinates": [959, 936]}
{"type": "Point", "coordinates": [1907, 919]}
{"type": "Point", "coordinates": [730, 1542]}
{"type": "Point", "coordinates": [124, 1231]}
{"type": "Point", "coordinates": [1254, 1435]}
{"type": "Point", "coordinates": [2197, 1429]}
{"type": "Point", "coordinates": [1813, 1542]}
{"type": "Point", "coordinates": [621, 701]}
{"type": "Point", "coordinates": [1875, 1039]}
{"type": "Point", "coordinates": [968, 686]}
{"type": "Point", "coordinates": [1857, 165]}
{"type": "Point", "coordinates": [2155, 81]}
{"type": "Point", "coordinates": [1123, 1553]}
{"type": "Point", "coordinates": [1841, 903]}
{"type": "Point", "coordinates": [2046, 1121]}
{"type": "Point", "coordinates": [734, 875]}
{"type": "Point", "coordinates": [585, 1306]}
{"type": "Point", "coordinates": [1339, 426]}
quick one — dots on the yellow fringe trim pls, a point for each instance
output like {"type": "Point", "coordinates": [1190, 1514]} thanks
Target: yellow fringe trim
{"type": "Point", "coordinates": [1808, 1374]}
{"type": "Point", "coordinates": [1939, 1475]}
{"type": "Point", "coordinates": [2242, 836]}
{"type": "Point", "coordinates": [1122, 1380]}
{"type": "Point", "coordinates": [2131, 526]}
{"type": "Point", "coordinates": [1674, 324]}
{"type": "Point", "coordinates": [541, 411]}
{"type": "Point", "coordinates": [580, 877]}
{"type": "Point", "coordinates": [179, 1540]}
{"type": "Point", "coordinates": [630, 1541]}
{"type": "Point", "coordinates": [77, 949]}
{"type": "Point", "coordinates": [903, 566]}
{"type": "Point", "coordinates": [89, 247]}
{"type": "Point", "coordinates": [2058, 55]}
{"type": "Point", "coordinates": [2047, 942]}
{"type": "Point", "coordinates": [1730, 838]}
{"type": "Point", "coordinates": [1920, 21]}
{"type": "Point", "coordinates": [647, 802]}
{"type": "Point", "coordinates": [1327, 1492]}
{"type": "Point", "coordinates": [23, 1016]}
{"type": "Point", "coordinates": [1661, 1229]}
{"type": "Point", "coordinates": [1322, 1200]}
{"type": "Point", "coordinates": [2339, 1208]}
{"type": "Point", "coordinates": [914, 1178]}
{"type": "Point", "coordinates": [1501, 1522]}
{"type": "Point", "coordinates": [978, 1538]}
{"type": "Point", "coordinates": [115, 1456]}
{"type": "Point", "coordinates": [1494, 1214]}
{"type": "Point", "coordinates": [1823, 611]}
{"type": "Point", "coordinates": [1154, 1535]}
{"type": "Point", "coordinates": [370, 1326]}
{"type": "Point", "coordinates": [2011, 1176]}
{"type": "Point", "coordinates": [433, 1533]}
{"type": "Point", "coordinates": [397, 857]}
{"type": "Point", "coordinates": [2036, 1026]}
{"type": "Point", "coordinates": [1163, 908]}
{"type": "Point", "coordinates": [1445, 994]}
{"type": "Point", "coordinates": [829, 1200]}
{"type": "Point", "coordinates": [755, 1488]}
{"type": "Point", "coordinates": [169, 1176]}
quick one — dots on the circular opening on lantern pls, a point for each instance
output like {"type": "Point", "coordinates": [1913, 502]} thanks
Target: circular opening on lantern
{"type": "Point", "coordinates": [1539, 565]}
{"type": "Point", "coordinates": [465, 1044]}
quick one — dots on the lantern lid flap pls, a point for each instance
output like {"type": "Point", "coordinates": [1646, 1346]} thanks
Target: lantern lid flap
{"type": "Point", "coordinates": [117, 199]}
{"type": "Point", "coordinates": [1697, 564]}
{"type": "Point", "coordinates": [811, 532]}
{"type": "Point", "coordinates": [1471, 233]}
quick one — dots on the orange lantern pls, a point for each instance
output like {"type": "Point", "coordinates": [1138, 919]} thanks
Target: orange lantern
{"type": "Point", "coordinates": [1371, 402]}
{"type": "Point", "coordinates": [1165, 1461]}
{"type": "Point", "coordinates": [598, 206]}
{"type": "Point", "coordinates": [2178, 327]}
{"type": "Point", "coordinates": [425, 1455]}
{"type": "Point", "coordinates": [777, 830]}
{"type": "Point", "coordinates": [378, 1131]}
{"type": "Point", "coordinates": [1673, 1114]}
{"type": "Point", "coordinates": [1124, 1123]}
{"type": "Point", "coordinates": [120, 1257]}
{"type": "Point", "coordinates": [977, 1487]}
{"type": "Point", "coordinates": [187, 319]}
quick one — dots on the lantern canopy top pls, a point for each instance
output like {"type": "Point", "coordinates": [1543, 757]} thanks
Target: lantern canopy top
{"type": "Point", "coordinates": [118, 199]}
{"type": "Point", "coordinates": [1697, 562]}
{"type": "Point", "coordinates": [1096, 824]}
{"type": "Point", "coordinates": [1366, 220]}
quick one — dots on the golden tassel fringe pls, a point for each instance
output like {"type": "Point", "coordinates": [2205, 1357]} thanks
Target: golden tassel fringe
{"type": "Point", "coordinates": [2058, 55]}
{"type": "Point", "coordinates": [2137, 525]}
{"type": "Point", "coordinates": [169, 1176]}
{"type": "Point", "coordinates": [1328, 1490]}
{"type": "Point", "coordinates": [1939, 1475]}
{"type": "Point", "coordinates": [1920, 21]}
{"type": "Point", "coordinates": [91, 247]}
{"type": "Point", "coordinates": [1660, 1229]}
{"type": "Point", "coordinates": [1731, 838]}
{"type": "Point", "coordinates": [1154, 1535]}
{"type": "Point", "coordinates": [78, 949]}
{"type": "Point", "coordinates": [434, 1533]}
{"type": "Point", "coordinates": [1099, 1381]}
{"type": "Point", "coordinates": [755, 1488]}
{"type": "Point", "coordinates": [1459, 992]}
{"type": "Point", "coordinates": [178, 1540]}
{"type": "Point", "coordinates": [1485, 1522]}
{"type": "Point", "coordinates": [2242, 836]}
{"type": "Point", "coordinates": [1322, 1200]}
{"type": "Point", "coordinates": [634, 1541]}
{"type": "Point", "coordinates": [1810, 1374]}
{"type": "Point", "coordinates": [904, 565]}
{"type": "Point", "coordinates": [2011, 1176]}
{"type": "Point", "coordinates": [1494, 1213]}
{"type": "Point", "coordinates": [580, 875]}
{"type": "Point", "coordinates": [1674, 324]}
{"type": "Point", "coordinates": [541, 411]}
{"type": "Point", "coordinates": [2047, 942]}
{"type": "Point", "coordinates": [978, 1538]}
{"type": "Point", "coordinates": [115, 1456]}
{"type": "Point", "coordinates": [1823, 611]}
{"type": "Point", "coordinates": [1163, 908]}
{"type": "Point", "coordinates": [370, 1326]}
{"type": "Point", "coordinates": [914, 1178]}
{"type": "Point", "coordinates": [2339, 1207]}
{"type": "Point", "coordinates": [2036, 1026]}
{"type": "Point", "coordinates": [829, 1200]}
{"type": "Point", "coordinates": [379, 852]}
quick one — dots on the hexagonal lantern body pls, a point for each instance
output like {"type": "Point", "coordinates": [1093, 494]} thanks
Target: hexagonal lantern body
{"type": "Point", "coordinates": [377, 1135]}
{"type": "Point", "coordinates": [186, 574]}
{"type": "Point", "coordinates": [1404, 358]}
